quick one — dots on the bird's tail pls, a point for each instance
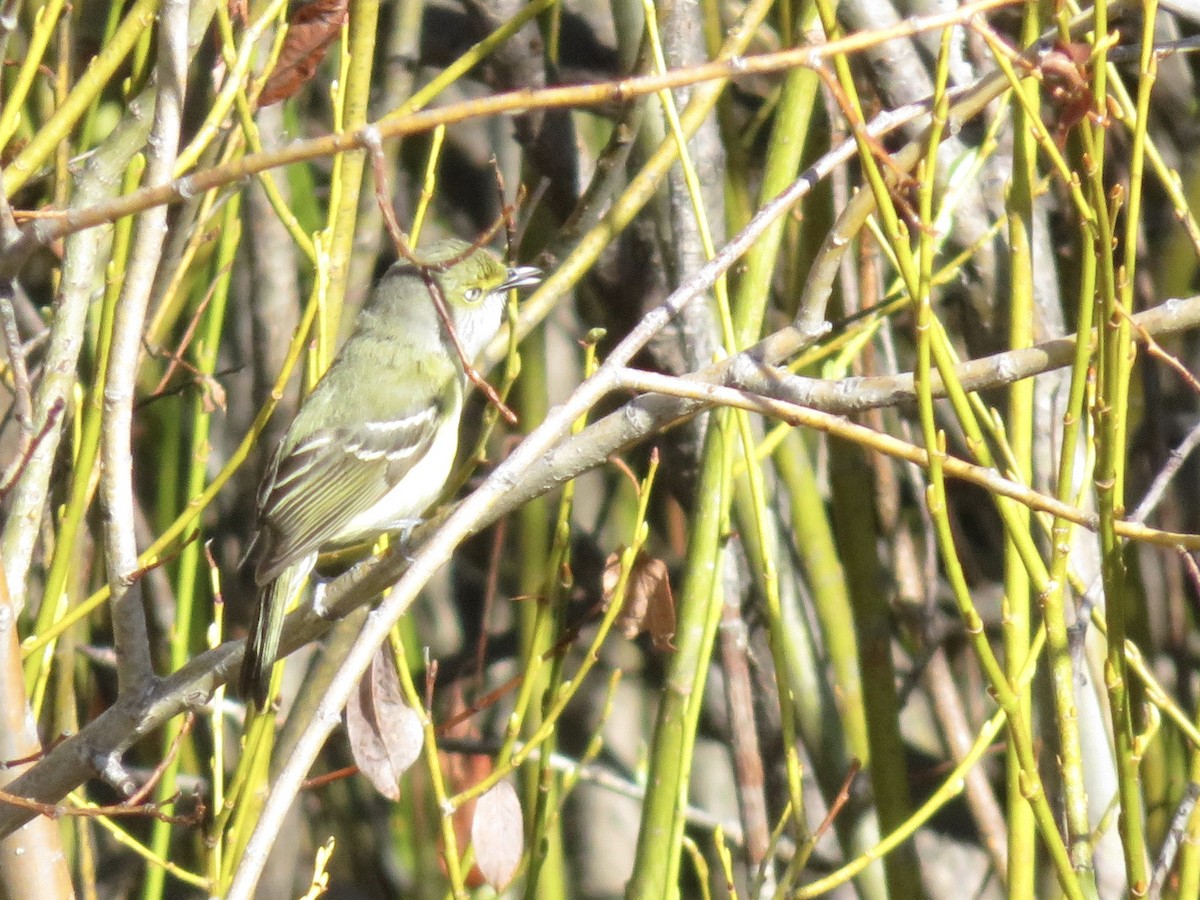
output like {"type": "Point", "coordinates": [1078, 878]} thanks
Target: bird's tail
{"type": "Point", "coordinates": [262, 646]}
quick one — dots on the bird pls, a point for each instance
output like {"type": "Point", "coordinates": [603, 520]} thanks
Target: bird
{"type": "Point", "coordinates": [372, 446]}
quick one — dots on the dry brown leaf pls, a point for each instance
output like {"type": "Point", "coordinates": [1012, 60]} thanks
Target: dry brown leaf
{"type": "Point", "coordinates": [498, 834]}
{"type": "Point", "coordinates": [385, 733]}
{"type": "Point", "coordinates": [239, 11]}
{"type": "Point", "coordinates": [311, 29]}
{"type": "Point", "coordinates": [649, 603]}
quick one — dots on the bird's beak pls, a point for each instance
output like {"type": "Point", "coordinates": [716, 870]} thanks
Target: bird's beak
{"type": "Point", "coordinates": [521, 276]}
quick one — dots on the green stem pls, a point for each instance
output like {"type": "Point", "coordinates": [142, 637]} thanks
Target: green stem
{"type": "Point", "coordinates": [192, 565]}
{"type": "Point", "coordinates": [104, 65]}
{"type": "Point", "coordinates": [656, 864]}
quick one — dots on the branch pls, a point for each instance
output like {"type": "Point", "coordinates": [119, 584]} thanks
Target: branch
{"type": "Point", "coordinates": [134, 666]}
{"type": "Point", "coordinates": [82, 272]}
{"type": "Point", "coordinates": [41, 232]}
{"type": "Point", "coordinates": [79, 757]}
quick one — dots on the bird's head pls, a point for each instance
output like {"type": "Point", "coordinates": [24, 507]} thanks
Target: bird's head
{"type": "Point", "coordinates": [474, 284]}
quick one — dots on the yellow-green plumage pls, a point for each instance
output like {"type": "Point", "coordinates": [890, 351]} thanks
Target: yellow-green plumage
{"type": "Point", "coordinates": [371, 447]}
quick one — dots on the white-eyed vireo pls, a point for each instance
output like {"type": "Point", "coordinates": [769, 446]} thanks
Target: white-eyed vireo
{"type": "Point", "coordinates": [371, 447]}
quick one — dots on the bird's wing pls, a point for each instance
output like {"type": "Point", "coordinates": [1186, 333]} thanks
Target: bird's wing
{"type": "Point", "coordinates": [326, 479]}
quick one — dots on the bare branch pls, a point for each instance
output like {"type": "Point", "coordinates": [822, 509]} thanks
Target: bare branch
{"type": "Point", "coordinates": [134, 666]}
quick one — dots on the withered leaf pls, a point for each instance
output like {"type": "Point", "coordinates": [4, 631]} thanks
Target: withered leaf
{"type": "Point", "coordinates": [385, 732]}
{"type": "Point", "coordinates": [462, 770]}
{"type": "Point", "coordinates": [649, 603]}
{"type": "Point", "coordinates": [498, 835]}
{"type": "Point", "coordinates": [311, 29]}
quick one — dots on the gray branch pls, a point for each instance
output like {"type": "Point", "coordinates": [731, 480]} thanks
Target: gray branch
{"type": "Point", "coordinates": [134, 666]}
{"type": "Point", "coordinates": [82, 281]}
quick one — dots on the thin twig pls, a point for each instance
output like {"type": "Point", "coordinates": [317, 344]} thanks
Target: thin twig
{"type": "Point", "coordinates": [426, 269]}
{"type": "Point", "coordinates": [175, 358]}
{"type": "Point", "coordinates": [743, 731]}
{"type": "Point", "coordinates": [1176, 832]}
{"type": "Point", "coordinates": [443, 310]}
{"type": "Point", "coordinates": [490, 590]}
{"type": "Point", "coordinates": [32, 447]}
{"type": "Point", "coordinates": [842, 798]}
{"type": "Point", "coordinates": [155, 776]}
{"type": "Point", "coordinates": [15, 354]}
{"type": "Point", "coordinates": [988, 478]}
{"type": "Point", "coordinates": [148, 810]}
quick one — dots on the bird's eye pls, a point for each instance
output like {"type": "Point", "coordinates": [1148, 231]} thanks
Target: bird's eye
{"type": "Point", "coordinates": [471, 294]}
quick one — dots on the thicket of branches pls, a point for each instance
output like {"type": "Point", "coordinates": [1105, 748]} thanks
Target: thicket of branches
{"type": "Point", "coordinates": [844, 541]}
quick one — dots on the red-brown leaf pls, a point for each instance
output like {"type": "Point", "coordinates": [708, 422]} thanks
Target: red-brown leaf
{"type": "Point", "coordinates": [463, 770]}
{"type": "Point", "coordinates": [311, 29]}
